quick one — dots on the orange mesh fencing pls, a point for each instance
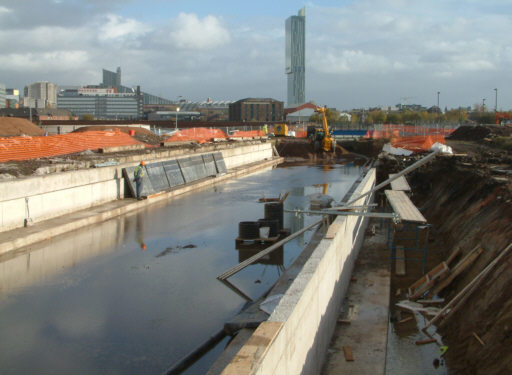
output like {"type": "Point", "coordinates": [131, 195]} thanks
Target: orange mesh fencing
{"type": "Point", "coordinates": [301, 133]}
{"type": "Point", "coordinates": [417, 143]}
{"type": "Point", "coordinates": [377, 134]}
{"type": "Point", "coordinates": [201, 135]}
{"type": "Point", "coordinates": [24, 148]}
{"type": "Point", "coordinates": [391, 131]}
{"type": "Point", "coordinates": [248, 133]}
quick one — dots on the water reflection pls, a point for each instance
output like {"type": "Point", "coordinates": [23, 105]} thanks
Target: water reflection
{"type": "Point", "coordinates": [92, 302]}
{"type": "Point", "coordinates": [41, 265]}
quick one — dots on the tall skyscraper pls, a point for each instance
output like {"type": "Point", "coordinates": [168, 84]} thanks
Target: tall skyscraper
{"type": "Point", "coordinates": [112, 79]}
{"type": "Point", "coordinates": [295, 61]}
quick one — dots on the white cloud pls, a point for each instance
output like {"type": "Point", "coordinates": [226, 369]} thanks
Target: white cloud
{"type": "Point", "coordinates": [190, 32]}
{"type": "Point", "coordinates": [351, 61]}
{"type": "Point", "coordinates": [118, 28]}
{"type": "Point", "coordinates": [49, 61]}
{"type": "Point", "coordinates": [4, 10]}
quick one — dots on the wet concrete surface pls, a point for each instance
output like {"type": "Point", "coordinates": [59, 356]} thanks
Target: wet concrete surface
{"type": "Point", "coordinates": [135, 294]}
{"type": "Point", "coordinates": [363, 321]}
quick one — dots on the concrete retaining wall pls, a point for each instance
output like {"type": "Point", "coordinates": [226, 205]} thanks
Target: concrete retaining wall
{"type": "Point", "coordinates": [295, 338]}
{"type": "Point", "coordinates": [44, 197]}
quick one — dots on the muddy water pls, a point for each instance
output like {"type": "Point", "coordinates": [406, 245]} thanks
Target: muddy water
{"type": "Point", "coordinates": [135, 294]}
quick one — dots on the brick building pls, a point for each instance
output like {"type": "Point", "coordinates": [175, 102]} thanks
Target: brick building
{"type": "Point", "coordinates": [256, 109]}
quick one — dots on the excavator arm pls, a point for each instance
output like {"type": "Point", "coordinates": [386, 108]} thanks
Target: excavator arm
{"type": "Point", "coordinates": [327, 143]}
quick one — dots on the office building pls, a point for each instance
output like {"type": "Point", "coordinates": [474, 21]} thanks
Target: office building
{"type": "Point", "coordinates": [256, 109]}
{"type": "Point", "coordinates": [3, 99]}
{"type": "Point", "coordinates": [102, 103]}
{"type": "Point", "coordinates": [112, 79]}
{"type": "Point", "coordinates": [295, 58]}
{"type": "Point", "coordinates": [41, 95]}
{"type": "Point", "coordinates": [12, 98]}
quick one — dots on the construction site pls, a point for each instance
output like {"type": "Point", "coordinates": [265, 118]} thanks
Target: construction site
{"type": "Point", "coordinates": [385, 253]}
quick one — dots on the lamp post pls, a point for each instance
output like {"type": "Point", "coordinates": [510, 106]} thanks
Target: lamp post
{"type": "Point", "coordinates": [438, 98]}
{"type": "Point", "coordinates": [496, 102]}
{"type": "Point", "coordinates": [177, 110]}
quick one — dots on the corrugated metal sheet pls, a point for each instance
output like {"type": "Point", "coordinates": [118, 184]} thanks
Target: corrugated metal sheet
{"type": "Point", "coordinates": [403, 206]}
{"type": "Point", "coordinates": [400, 183]}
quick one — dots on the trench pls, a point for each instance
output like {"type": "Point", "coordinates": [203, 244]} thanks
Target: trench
{"type": "Point", "coordinates": [135, 294]}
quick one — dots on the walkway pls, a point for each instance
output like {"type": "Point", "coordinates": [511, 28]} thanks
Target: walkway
{"type": "Point", "coordinates": [359, 341]}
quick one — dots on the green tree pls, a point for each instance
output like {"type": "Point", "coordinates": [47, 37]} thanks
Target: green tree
{"type": "Point", "coordinates": [354, 118]}
{"type": "Point", "coordinates": [394, 118]}
{"type": "Point", "coordinates": [331, 114]}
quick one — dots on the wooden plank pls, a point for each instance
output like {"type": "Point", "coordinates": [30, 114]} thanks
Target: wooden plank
{"type": "Point", "coordinates": [349, 356]}
{"type": "Point", "coordinates": [426, 341]}
{"type": "Point", "coordinates": [459, 267]}
{"type": "Point", "coordinates": [400, 183]}
{"type": "Point", "coordinates": [400, 261]}
{"type": "Point", "coordinates": [404, 207]}
{"type": "Point", "coordinates": [344, 321]}
{"type": "Point", "coordinates": [405, 320]}
{"type": "Point", "coordinates": [478, 339]}
{"type": "Point", "coordinates": [428, 281]}
{"type": "Point", "coordinates": [453, 255]}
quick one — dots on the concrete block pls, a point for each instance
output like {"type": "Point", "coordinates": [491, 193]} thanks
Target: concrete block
{"type": "Point", "coordinates": [12, 213]}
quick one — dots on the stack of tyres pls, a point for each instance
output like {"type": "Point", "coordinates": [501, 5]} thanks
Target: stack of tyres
{"type": "Point", "coordinates": [248, 230]}
{"type": "Point", "coordinates": [274, 211]}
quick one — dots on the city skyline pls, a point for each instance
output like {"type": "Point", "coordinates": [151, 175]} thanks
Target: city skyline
{"type": "Point", "coordinates": [363, 53]}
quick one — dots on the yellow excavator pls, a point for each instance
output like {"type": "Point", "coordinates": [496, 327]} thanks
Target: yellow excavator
{"type": "Point", "coordinates": [321, 137]}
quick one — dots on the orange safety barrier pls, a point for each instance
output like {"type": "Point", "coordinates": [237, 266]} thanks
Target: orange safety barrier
{"type": "Point", "coordinates": [390, 131]}
{"type": "Point", "coordinates": [248, 133]}
{"type": "Point", "coordinates": [25, 148]}
{"type": "Point", "coordinates": [417, 143]}
{"type": "Point", "coordinates": [301, 134]}
{"type": "Point", "coordinates": [201, 135]}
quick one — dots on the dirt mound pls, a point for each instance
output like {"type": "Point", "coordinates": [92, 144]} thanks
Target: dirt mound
{"type": "Point", "coordinates": [302, 148]}
{"type": "Point", "coordinates": [13, 126]}
{"type": "Point", "coordinates": [141, 134]}
{"type": "Point", "coordinates": [477, 133]}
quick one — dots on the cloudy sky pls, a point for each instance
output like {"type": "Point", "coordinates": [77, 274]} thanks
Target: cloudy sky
{"type": "Point", "coordinates": [359, 53]}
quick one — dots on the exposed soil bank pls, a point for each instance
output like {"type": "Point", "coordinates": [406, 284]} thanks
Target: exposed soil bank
{"type": "Point", "coordinates": [468, 200]}
{"type": "Point", "coordinates": [469, 207]}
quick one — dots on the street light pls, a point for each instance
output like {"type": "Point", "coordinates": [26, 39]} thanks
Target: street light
{"type": "Point", "coordinates": [438, 98]}
{"type": "Point", "coordinates": [496, 102]}
{"type": "Point", "coordinates": [177, 110]}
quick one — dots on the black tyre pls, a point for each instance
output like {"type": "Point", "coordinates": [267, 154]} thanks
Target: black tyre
{"type": "Point", "coordinates": [274, 211]}
{"type": "Point", "coordinates": [248, 229]}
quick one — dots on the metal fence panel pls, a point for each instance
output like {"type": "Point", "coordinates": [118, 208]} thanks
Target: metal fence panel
{"type": "Point", "coordinates": [188, 169]}
{"type": "Point", "coordinates": [219, 163]}
{"type": "Point", "coordinates": [156, 174]}
{"type": "Point", "coordinates": [173, 172]}
{"type": "Point", "coordinates": [209, 165]}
